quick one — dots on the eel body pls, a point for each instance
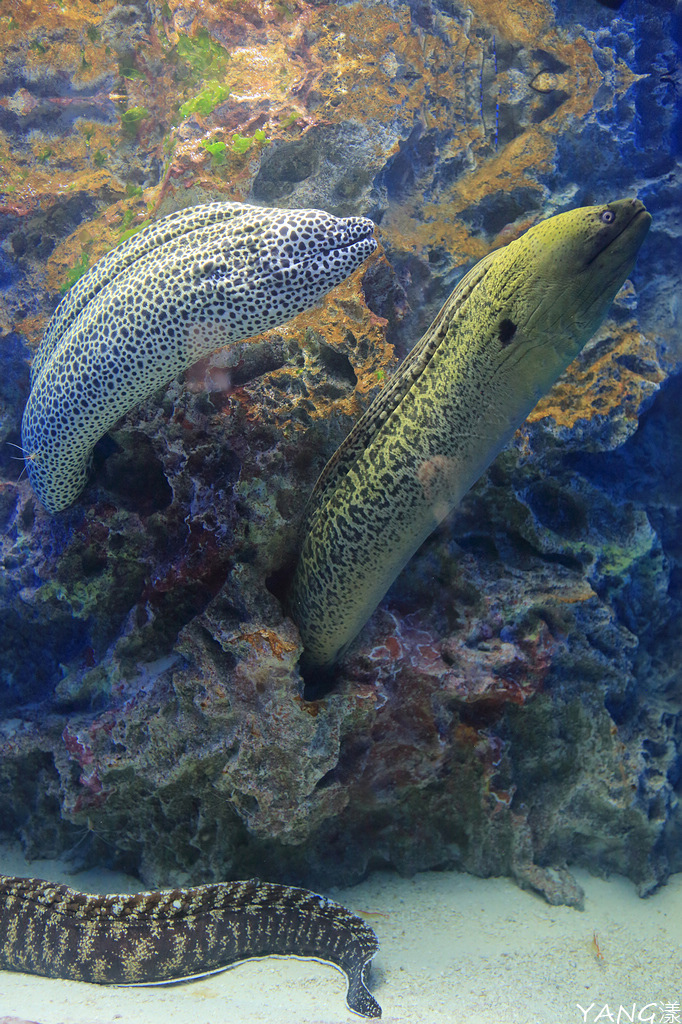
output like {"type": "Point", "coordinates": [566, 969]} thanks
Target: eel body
{"type": "Point", "coordinates": [504, 336]}
{"type": "Point", "coordinates": [174, 934]}
{"type": "Point", "coordinates": [173, 293]}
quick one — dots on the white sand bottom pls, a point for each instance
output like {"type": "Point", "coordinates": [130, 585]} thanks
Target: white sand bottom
{"type": "Point", "coordinates": [454, 950]}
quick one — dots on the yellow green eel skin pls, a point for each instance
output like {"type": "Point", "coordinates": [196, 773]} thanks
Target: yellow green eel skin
{"type": "Point", "coordinates": [173, 293]}
{"type": "Point", "coordinates": [156, 937]}
{"type": "Point", "coordinates": [504, 336]}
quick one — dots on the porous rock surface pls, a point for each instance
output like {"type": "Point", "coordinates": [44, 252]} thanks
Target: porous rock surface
{"type": "Point", "coordinates": [514, 704]}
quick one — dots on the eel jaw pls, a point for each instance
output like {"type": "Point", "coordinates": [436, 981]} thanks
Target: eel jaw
{"type": "Point", "coordinates": [630, 236]}
{"type": "Point", "coordinates": [355, 244]}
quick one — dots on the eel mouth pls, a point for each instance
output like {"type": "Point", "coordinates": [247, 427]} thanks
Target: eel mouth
{"type": "Point", "coordinates": [355, 244]}
{"type": "Point", "coordinates": [631, 233]}
{"type": "Point", "coordinates": [629, 240]}
{"type": "Point", "coordinates": [360, 231]}
{"type": "Point", "coordinates": [361, 248]}
{"type": "Point", "coordinates": [642, 215]}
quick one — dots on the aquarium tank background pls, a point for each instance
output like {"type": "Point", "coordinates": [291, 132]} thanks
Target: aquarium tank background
{"type": "Point", "coordinates": [513, 706]}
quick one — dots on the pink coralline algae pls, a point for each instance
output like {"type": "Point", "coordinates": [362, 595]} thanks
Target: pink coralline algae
{"type": "Point", "coordinates": [493, 671]}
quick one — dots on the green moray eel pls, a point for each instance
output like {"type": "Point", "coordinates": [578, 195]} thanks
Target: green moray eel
{"type": "Point", "coordinates": [504, 336]}
{"type": "Point", "coordinates": [174, 292]}
{"type": "Point", "coordinates": [174, 934]}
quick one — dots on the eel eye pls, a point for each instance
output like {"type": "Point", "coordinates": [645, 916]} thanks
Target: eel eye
{"type": "Point", "coordinates": [607, 216]}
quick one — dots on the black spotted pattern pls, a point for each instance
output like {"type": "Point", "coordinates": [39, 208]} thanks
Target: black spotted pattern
{"type": "Point", "coordinates": [173, 293]}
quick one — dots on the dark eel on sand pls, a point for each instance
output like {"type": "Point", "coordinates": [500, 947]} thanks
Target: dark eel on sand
{"type": "Point", "coordinates": [175, 934]}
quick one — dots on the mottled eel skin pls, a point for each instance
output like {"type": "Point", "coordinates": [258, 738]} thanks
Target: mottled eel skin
{"type": "Point", "coordinates": [176, 291]}
{"type": "Point", "coordinates": [504, 336]}
{"type": "Point", "coordinates": [172, 934]}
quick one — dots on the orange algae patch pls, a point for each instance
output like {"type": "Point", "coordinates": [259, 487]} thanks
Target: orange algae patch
{"type": "Point", "coordinates": [359, 50]}
{"type": "Point", "coordinates": [520, 163]}
{"type": "Point", "coordinates": [262, 639]}
{"type": "Point", "coordinates": [56, 37]}
{"type": "Point", "coordinates": [402, 224]}
{"type": "Point", "coordinates": [26, 14]}
{"type": "Point", "coordinates": [345, 324]}
{"type": "Point", "coordinates": [616, 379]}
{"type": "Point", "coordinates": [31, 328]}
{"type": "Point", "coordinates": [516, 166]}
{"type": "Point", "coordinates": [524, 22]}
{"type": "Point", "coordinates": [346, 319]}
{"type": "Point", "coordinates": [466, 736]}
{"type": "Point", "coordinates": [576, 594]}
{"type": "Point", "coordinates": [86, 245]}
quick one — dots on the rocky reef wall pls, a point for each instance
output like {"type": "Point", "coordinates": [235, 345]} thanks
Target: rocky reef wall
{"type": "Point", "coordinates": [514, 704]}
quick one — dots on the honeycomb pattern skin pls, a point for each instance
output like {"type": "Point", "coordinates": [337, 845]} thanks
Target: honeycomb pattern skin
{"type": "Point", "coordinates": [173, 293]}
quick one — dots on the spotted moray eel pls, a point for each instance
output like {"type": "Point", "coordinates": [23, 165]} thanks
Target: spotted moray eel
{"type": "Point", "coordinates": [502, 339]}
{"type": "Point", "coordinates": [172, 934]}
{"type": "Point", "coordinates": [176, 291]}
